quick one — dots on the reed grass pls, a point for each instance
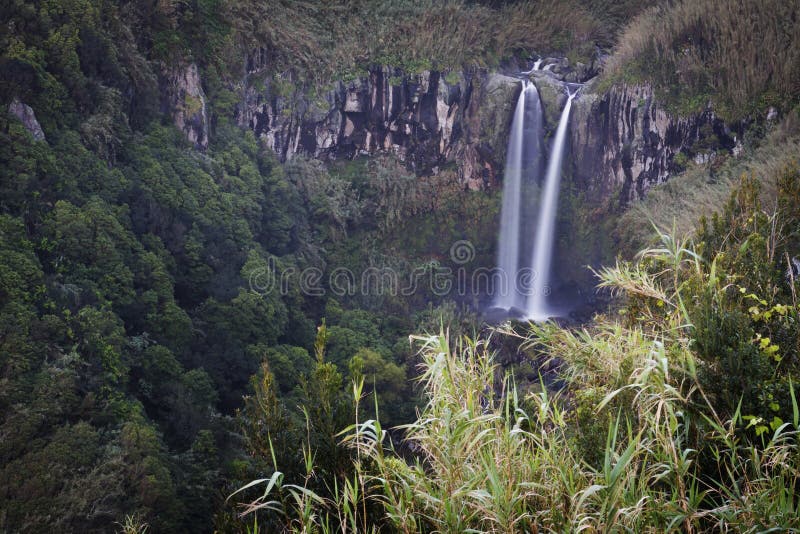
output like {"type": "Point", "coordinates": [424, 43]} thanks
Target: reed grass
{"type": "Point", "coordinates": [486, 460]}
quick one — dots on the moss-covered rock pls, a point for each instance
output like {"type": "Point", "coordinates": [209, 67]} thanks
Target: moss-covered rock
{"type": "Point", "coordinates": [552, 94]}
{"type": "Point", "coordinates": [500, 94]}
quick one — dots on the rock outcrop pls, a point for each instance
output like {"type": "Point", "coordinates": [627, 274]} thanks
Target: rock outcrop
{"type": "Point", "coordinates": [553, 95]}
{"type": "Point", "coordinates": [623, 142]}
{"type": "Point", "coordinates": [562, 69]}
{"type": "Point", "coordinates": [185, 100]}
{"type": "Point", "coordinates": [427, 120]}
{"type": "Point", "coordinates": [27, 117]}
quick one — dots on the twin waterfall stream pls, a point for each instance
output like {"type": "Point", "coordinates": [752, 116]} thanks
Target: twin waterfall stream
{"type": "Point", "coordinates": [529, 209]}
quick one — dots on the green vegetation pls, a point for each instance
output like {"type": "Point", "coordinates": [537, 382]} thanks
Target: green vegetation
{"type": "Point", "coordinates": [129, 333]}
{"type": "Point", "coordinates": [148, 369]}
{"type": "Point", "coordinates": [741, 56]}
{"type": "Point", "coordinates": [137, 341]}
{"type": "Point", "coordinates": [330, 40]}
{"type": "Point", "coordinates": [679, 413]}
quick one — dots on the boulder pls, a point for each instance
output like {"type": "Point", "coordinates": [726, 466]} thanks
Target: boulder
{"type": "Point", "coordinates": [185, 100]}
{"type": "Point", "coordinates": [27, 117]}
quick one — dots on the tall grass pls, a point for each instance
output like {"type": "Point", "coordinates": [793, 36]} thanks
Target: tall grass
{"type": "Point", "coordinates": [486, 460]}
{"type": "Point", "coordinates": [741, 54]}
{"type": "Point", "coordinates": [328, 40]}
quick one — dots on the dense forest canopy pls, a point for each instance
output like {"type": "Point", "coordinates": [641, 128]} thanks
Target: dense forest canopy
{"type": "Point", "coordinates": [148, 370]}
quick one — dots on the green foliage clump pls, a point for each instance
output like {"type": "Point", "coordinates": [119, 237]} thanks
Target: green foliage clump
{"type": "Point", "coordinates": [750, 333]}
{"type": "Point", "coordinates": [117, 269]}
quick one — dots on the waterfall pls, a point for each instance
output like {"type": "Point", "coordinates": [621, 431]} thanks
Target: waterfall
{"type": "Point", "coordinates": [525, 264]}
{"type": "Point", "coordinates": [545, 229]}
{"type": "Point", "coordinates": [522, 166]}
{"type": "Point", "coordinates": [536, 66]}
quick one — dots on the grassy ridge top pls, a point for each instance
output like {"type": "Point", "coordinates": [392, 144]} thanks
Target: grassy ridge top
{"type": "Point", "coordinates": [326, 40]}
{"type": "Point", "coordinates": [74, 59]}
{"type": "Point", "coordinates": [742, 56]}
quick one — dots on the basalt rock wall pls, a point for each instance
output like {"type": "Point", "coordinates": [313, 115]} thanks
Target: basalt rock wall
{"type": "Point", "coordinates": [623, 142]}
{"type": "Point", "coordinates": [428, 120]}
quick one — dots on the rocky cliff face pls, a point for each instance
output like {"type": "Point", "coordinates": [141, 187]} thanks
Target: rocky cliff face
{"type": "Point", "coordinates": [428, 120]}
{"type": "Point", "coordinates": [185, 100]}
{"type": "Point", "coordinates": [27, 117]}
{"type": "Point", "coordinates": [623, 142]}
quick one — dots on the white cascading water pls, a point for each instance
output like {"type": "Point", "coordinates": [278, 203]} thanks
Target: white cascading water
{"type": "Point", "coordinates": [521, 166]}
{"type": "Point", "coordinates": [536, 65]}
{"type": "Point", "coordinates": [537, 309]}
